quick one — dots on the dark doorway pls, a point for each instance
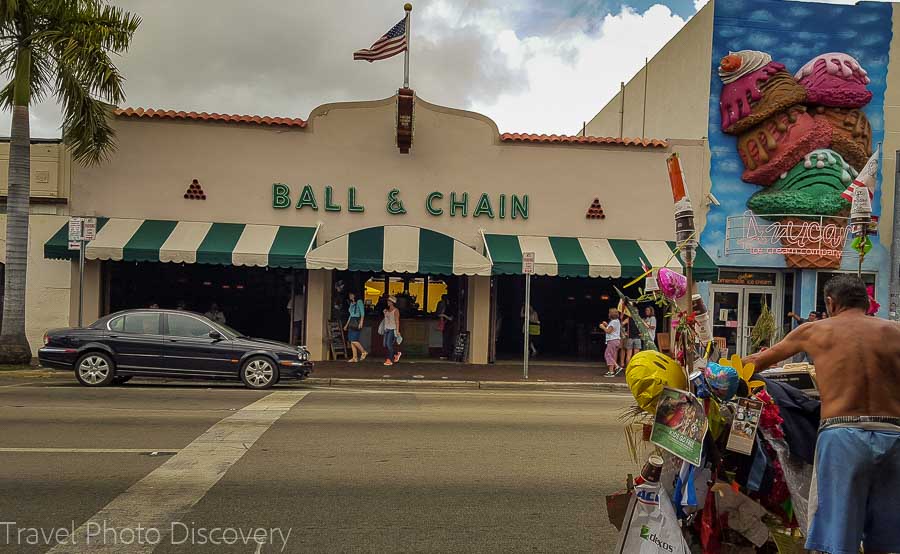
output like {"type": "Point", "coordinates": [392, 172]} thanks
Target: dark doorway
{"type": "Point", "coordinates": [570, 311]}
{"type": "Point", "coordinates": [253, 299]}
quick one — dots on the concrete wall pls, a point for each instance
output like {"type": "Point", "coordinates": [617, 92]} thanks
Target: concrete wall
{"type": "Point", "coordinates": [891, 136]}
{"type": "Point", "coordinates": [51, 168]}
{"type": "Point", "coordinates": [677, 84]}
{"type": "Point", "coordinates": [353, 145]}
{"type": "Point", "coordinates": [47, 283]}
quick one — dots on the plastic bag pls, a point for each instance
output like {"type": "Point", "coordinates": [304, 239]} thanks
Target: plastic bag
{"type": "Point", "coordinates": [650, 525]}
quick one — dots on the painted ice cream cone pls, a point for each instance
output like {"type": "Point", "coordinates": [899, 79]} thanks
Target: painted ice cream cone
{"type": "Point", "coordinates": [835, 79]}
{"type": "Point", "coordinates": [755, 88]}
{"type": "Point", "coordinates": [797, 200]}
{"type": "Point", "coordinates": [780, 142]}
{"type": "Point", "coordinates": [851, 135]}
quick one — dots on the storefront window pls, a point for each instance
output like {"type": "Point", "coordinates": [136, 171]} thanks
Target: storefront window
{"type": "Point", "coordinates": [822, 278]}
{"type": "Point", "coordinates": [408, 290]}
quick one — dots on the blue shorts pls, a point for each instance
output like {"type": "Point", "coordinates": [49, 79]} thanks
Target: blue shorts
{"type": "Point", "coordinates": [855, 493]}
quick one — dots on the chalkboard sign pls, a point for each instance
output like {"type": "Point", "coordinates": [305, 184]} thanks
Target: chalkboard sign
{"type": "Point", "coordinates": [461, 350]}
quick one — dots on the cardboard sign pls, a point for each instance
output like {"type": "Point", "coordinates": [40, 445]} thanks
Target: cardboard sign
{"type": "Point", "coordinates": [680, 425]}
{"type": "Point", "coordinates": [744, 425]}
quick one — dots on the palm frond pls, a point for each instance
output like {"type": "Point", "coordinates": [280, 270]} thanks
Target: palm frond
{"type": "Point", "coordinates": [86, 120]}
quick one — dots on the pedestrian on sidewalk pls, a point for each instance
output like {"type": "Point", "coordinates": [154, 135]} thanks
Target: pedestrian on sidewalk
{"type": "Point", "coordinates": [392, 335]}
{"type": "Point", "coordinates": [856, 486]}
{"type": "Point", "coordinates": [650, 322]}
{"type": "Point", "coordinates": [354, 325]}
{"type": "Point", "coordinates": [613, 330]}
{"type": "Point", "coordinates": [445, 325]}
{"type": "Point", "coordinates": [532, 327]}
{"type": "Point", "coordinates": [632, 339]}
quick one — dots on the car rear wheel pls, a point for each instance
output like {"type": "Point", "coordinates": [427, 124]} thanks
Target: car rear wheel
{"type": "Point", "coordinates": [95, 369]}
{"type": "Point", "coordinates": [259, 372]}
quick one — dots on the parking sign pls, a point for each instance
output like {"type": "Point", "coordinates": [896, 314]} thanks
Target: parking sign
{"type": "Point", "coordinates": [528, 263]}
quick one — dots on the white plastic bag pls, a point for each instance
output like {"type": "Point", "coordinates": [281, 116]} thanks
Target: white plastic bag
{"type": "Point", "coordinates": [381, 328]}
{"type": "Point", "coordinates": [651, 526]}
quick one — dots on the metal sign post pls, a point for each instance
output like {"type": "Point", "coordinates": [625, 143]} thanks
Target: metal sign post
{"type": "Point", "coordinates": [528, 270]}
{"type": "Point", "coordinates": [81, 231]}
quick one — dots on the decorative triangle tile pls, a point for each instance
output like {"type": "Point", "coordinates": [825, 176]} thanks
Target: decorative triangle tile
{"type": "Point", "coordinates": [596, 210]}
{"type": "Point", "coordinates": [194, 191]}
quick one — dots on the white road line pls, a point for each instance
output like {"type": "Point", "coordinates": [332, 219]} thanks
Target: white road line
{"type": "Point", "coordinates": [173, 488]}
{"type": "Point", "coordinates": [92, 450]}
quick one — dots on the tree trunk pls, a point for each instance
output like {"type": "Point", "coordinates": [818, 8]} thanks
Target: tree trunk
{"type": "Point", "coordinates": [14, 346]}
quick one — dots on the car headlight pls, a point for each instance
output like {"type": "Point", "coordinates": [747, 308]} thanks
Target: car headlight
{"type": "Point", "coordinates": [303, 355]}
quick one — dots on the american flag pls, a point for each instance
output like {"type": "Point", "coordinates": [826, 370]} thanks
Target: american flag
{"type": "Point", "coordinates": [390, 44]}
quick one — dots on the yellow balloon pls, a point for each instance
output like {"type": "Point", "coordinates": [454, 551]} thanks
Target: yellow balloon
{"type": "Point", "coordinates": [648, 372]}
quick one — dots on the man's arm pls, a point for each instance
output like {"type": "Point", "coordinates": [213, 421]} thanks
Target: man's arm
{"type": "Point", "coordinates": [792, 344]}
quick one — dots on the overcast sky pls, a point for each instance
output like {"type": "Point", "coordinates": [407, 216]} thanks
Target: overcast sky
{"type": "Point", "coordinates": [532, 65]}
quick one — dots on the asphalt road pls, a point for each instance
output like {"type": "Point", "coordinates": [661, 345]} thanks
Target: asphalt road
{"type": "Point", "coordinates": [340, 470]}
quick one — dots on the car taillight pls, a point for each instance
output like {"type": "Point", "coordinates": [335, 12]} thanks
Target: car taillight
{"type": "Point", "coordinates": [46, 339]}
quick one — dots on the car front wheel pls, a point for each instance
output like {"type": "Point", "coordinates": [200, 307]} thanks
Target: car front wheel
{"type": "Point", "coordinates": [95, 369]}
{"type": "Point", "coordinates": [259, 372]}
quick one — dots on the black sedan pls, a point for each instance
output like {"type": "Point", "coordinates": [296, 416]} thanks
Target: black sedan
{"type": "Point", "coordinates": [169, 343]}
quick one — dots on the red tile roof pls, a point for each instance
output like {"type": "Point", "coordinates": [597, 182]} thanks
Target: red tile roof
{"type": "Point", "coordinates": [203, 116]}
{"type": "Point", "coordinates": [566, 139]}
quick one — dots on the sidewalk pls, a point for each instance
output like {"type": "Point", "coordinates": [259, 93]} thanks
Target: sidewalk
{"type": "Point", "coordinates": [542, 375]}
{"type": "Point", "coordinates": [434, 373]}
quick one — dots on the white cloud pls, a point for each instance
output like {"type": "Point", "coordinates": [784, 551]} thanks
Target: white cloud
{"type": "Point", "coordinates": [286, 58]}
{"type": "Point", "coordinates": [570, 79]}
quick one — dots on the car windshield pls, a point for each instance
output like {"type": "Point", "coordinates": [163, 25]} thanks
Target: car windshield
{"type": "Point", "coordinates": [231, 331]}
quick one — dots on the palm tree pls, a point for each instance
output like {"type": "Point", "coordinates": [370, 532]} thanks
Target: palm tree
{"type": "Point", "coordinates": [60, 48]}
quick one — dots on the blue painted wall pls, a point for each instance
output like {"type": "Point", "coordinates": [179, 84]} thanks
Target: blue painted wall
{"type": "Point", "coordinates": [792, 33]}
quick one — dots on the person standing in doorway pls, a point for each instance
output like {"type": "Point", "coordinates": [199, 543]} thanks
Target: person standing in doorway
{"type": "Point", "coordinates": [531, 326]}
{"type": "Point", "coordinates": [354, 325]}
{"type": "Point", "coordinates": [613, 331]}
{"type": "Point", "coordinates": [391, 331]}
{"type": "Point", "coordinates": [650, 322]}
{"type": "Point", "coordinates": [445, 325]}
{"type": "Point", "coordinates": [297, 306]}
{"type": "Point", "coordinates": [215, 314]}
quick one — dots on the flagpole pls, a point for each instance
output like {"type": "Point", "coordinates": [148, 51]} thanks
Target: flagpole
{"type": "Point", "coordinates": [408, 8]}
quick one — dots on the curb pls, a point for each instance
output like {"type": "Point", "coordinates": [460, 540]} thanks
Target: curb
{"type": "Point", "coordinates": [471, 385]}
{"type": "Point", "coordinates": [405, 383]}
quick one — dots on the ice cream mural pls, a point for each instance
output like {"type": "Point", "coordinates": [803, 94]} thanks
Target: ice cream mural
{"type": "Point", "coordinates": [796, 110]}
{"type": "Point", "coordinates": [786, 127]}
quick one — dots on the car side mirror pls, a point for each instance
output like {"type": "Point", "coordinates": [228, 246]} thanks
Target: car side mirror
{"type": "Point", "coordinates": [215, 335]}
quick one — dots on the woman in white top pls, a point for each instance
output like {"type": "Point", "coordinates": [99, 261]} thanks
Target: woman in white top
{"type": "Point", "coordinates": [613, 331]}
{"type": "Point", "coordinates": [391, 331]}
{"type": "Point", "coordinates": [650, 322]}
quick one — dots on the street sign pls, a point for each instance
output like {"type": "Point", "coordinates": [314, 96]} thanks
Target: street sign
{"type": "Point", "coordinates": [74, 245]}
{"type": "Point", "coordinates": [89, 228]}
{"type": "Point", "coordinates": [528, 263]}
{"type": "Point", "coordinates": [75, 228]}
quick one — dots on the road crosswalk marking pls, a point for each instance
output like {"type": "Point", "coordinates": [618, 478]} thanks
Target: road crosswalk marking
{"type": "Point", "coordinates": [172, 489]}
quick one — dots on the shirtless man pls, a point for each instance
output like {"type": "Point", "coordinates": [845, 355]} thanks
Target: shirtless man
{"type": "Point", "coordinates": [856, 488]}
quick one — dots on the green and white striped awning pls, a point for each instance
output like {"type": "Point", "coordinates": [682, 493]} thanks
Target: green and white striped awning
{"type": "Point", "coordinates": [586, 257]}
{"type": "Point", "coordinates": [148, 240]}
{"type": "Point", "coordinates": [399, 249]}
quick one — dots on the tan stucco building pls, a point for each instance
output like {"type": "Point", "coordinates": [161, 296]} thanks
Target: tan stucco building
{"type": "Point", "coordinates": [296, 195]}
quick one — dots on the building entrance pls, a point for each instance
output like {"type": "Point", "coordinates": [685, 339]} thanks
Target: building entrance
{"type": "Point", "coordinates": [254, 300]}
{"type": "Point", "coordinates": [735, 311]}
{"type": "Point", "coordinates": [570, 311]}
